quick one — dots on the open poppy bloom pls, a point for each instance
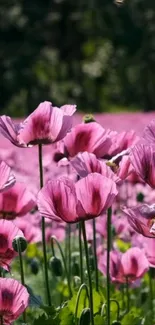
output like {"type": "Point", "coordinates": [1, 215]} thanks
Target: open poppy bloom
{"type": "Point", "coordinates": [46, 125]}
{"type": "Point", "coordinates": [142, 219]}
{"type": "Point", "coordinates": [61, 199]}
{"type": "Point", "coordinates": [8, 231]}
{"type": "Point", "coordinates": [16, 202]}
{"type": "Point", "coordinates": [14, 299]}
{"type": "Point", "coordinates": [7, 180]}
{"type": "Point", "coordinates": [85, 163]}
{"type": "Point", "coordinates": [91, 137]}
{"type": "Point", "coordinates": [149, 133]}
{"type": "Point", "coordinates": [142, 158]}
{"type": "Point", "coordinates": [128, 266]}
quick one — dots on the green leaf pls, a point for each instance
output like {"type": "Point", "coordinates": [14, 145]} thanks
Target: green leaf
{"type": "Point", "coordinates": [43, 320]}
{"type": "Point", "coordinates": [99, 320]}
{"type": "Point", "coordinates": [49, 310]}
{"type": "Point", "coordinates": [131, 319]}
{"type": "Point", "coordinates": [66, 317]}
{"type": "Point", "coordinates": [83, 302]}
{"type": "Point", "coordinates": [33, 251]}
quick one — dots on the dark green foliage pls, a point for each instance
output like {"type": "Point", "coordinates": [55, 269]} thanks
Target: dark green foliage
{"type": "Point", "coordinates": [98, 54]}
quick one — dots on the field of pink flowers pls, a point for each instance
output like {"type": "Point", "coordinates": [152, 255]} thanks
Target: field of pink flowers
{"type": "Point", "coordinates": [77, 218]}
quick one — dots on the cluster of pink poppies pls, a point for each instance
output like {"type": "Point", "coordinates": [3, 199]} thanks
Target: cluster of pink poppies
{"type": "Point", "coordinates": [87, 169]}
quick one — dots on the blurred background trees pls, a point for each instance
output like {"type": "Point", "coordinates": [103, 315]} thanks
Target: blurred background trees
{"type": "Point", "coordinates": [99, 54]}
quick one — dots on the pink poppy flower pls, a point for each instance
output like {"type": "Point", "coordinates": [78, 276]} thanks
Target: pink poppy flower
{"type": "Point", "coordinates": [149, 132]}
{"type": "Point", "coordinates": [130, 265]}
{"type": "Point", "coordinates": [16, 202]}
{"type": "Point", "coordinates": [149, 249]}
{"type": "Point", "coordinates": [134, 264]}
{"type": "Point", "coordinates": [47, 124]}
{"type": "Point", "coordinates": [122, 141]}
{"type": "Point", "coordinates": [85, 163]}
{"type": "Point", "coordinates": [91, 137]}
{"type": "Point", "coordinates": [10, 129]}
{"type": "Point", "coordinates": [88, 198]}
{"type": "Point", "coordinates": [14, 299]}
{"type": "Point", "coordinates": [8, 231]}
{"type": "Point", "coordinates": [7, 180]}
{"type": "Point", "coordinates": [142, 219]}
{"type": "Point", "coordinates": [31, 233]}
{"type": "Point", "coordinates": [142, 158]}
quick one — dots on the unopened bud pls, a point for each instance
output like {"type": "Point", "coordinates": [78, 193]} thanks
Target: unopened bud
{"type": "Point", "coordinates": [88, 118]}
{"type": "Point", "coordinates": [56, 266]}
{"type": "Point", "coordinates": [85, 317]}
{"type": "Point", "coordinates": [19, 244]}
{"type": "Point", "coordinates": [34, 265]}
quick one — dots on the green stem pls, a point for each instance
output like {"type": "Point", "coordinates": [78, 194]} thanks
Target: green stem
{"type": "Point", "coordinates": [64, 262]}
{"type": "Point", "coordinates": [108, 262]}
{"type": "Point", "coordinates": [95, 255]}
{"type": "Point", "coordinates": [123, 296]}
{"type": "Point", "coordinates": [83, 286]}
{"type": "Point", "coordinates": [127, 295]}
{"type": "Point", "coordinates": [69, 249]}
{"type": "Point", "coordinates": [118, 307]}
{"type": "Point", "coordinates": [151, 296]}
{"type": "Point", "coordinates": [43, 231]}
{"type": "Point", "coordinates": [21, 272]}
{"type": "Point", "coordinates": [80, 249]}
{"type": "Point", "coordinates": [89, 272]}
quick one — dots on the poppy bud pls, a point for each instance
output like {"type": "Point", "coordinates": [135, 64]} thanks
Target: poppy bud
{"type": "Point", "coordinates": [116, 322]}
{"type": "Point", "coordinates": [76, 281]}
{"type": "Point", "coordinates": [19, 243]}
{"type": "Point", "coordinates": [85, 317]}
{"type": "Point", "coordinates": [75, 268]}
{"type": "Point", "coordinates": [56, 266]}
{"type": "Point", "coordinates": [88, 118]}
{"type": "Point", "coordinates": [140, 197]}
{"type": "Point", "coordinates": [34, 265]}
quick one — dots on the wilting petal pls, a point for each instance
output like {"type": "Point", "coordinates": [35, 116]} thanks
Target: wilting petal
{"type": "Point", "coordinates": [141, 218]}
{"type": "Point", "coordinates": [122, 141]}
{"type": "Point", "coordinates": [85, 163]}
{"type": "Point", "coordinates": [149, 132]}
{"type": "Point", "coordinates": [6, 179]}
{"type": "Point", "coordinates": [10, 130]}
{"type": "Point", "coordinates": [142, 158]}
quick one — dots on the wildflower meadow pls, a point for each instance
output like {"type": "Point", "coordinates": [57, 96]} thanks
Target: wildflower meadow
{"type": "Point", "coordinates": [77, 219]}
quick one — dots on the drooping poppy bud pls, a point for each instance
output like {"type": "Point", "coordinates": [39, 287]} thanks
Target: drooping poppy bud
{"type": "Point", "coordinates": [85, 317]}
{"type": "Point", "coordinates": [56, 266]}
